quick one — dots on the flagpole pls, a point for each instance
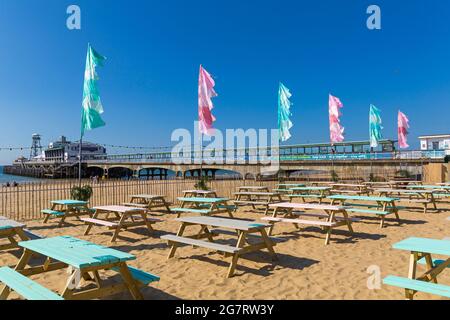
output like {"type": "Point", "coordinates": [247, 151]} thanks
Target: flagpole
{"type": "Point", "coordinates": [80, 154]}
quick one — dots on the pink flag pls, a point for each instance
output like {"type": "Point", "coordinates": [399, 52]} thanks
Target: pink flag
{"type": "Point", "coordinates": [403, 127]}
{"type": "Point", "coordinates": [205, 93]}
{"type": "Point", "coordinates": [336, 130]}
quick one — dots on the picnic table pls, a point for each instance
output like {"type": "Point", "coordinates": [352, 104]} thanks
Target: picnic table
{"type": "Point", "coordinates": [423, 197]}
{"type": "Point", "coordinates": [63, 209]}
{"type": "Point", "coordinates": [10, 229]}
{"type": "Point", "coordinates": [285, 187]}
{"type": "Point", "coordinates": [318, 193]}
{"type": "Point", "coordinates": [421, 252]}
{"type": "Point", "coordinates": [204, 206]}
{"type": "Point", "coordinates": [148, 201]}
{"type": "Point", "coordinates": [253, 188]}
{"type": "Point", "coordinates": [200, 193]}
{"type": "Point", "coordinates": [84, 260]}
{"type": "Point", "coordinates": [358, 189]}
{"type": "Point", "coordinates": [383, 205]}
{"type": "Point", "coordinates": [329, 220]}
{"type": "Point", "coordinates": [242, 229]}
{"type": "Point", "coordinates": [257, 199]}
{"type": "Point", "coordinates": [123, 217]}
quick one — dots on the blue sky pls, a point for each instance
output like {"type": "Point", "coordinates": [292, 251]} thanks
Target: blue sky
{"type": "Point", "coordinates": [154, 49]}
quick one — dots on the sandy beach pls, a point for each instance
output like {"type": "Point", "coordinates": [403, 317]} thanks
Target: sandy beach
{"type": "Point", "coordinates": [307, 269]}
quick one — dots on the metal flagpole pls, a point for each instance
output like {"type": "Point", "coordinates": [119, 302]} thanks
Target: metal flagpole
{"type": "Point", "coordinates": [80, 154]}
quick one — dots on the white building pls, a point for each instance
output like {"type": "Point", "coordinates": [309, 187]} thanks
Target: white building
{"type": "Point", "coordinates": [435, 143]}
{"type": "Point", "coordinates": [66, 151]}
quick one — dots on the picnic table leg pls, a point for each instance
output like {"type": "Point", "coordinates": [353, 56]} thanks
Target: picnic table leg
{"type": "Point", "coordinates": [90, 225]}
{"type": "Point", "coordinates": [430, 266]}
{"type": "Point", "coordinates": [173, 249]}
{"type": "Point", "coordinates": [147, 223]}
{"type": "Point", "coordinates": [130, 282]}
{"type": "Point", "coordinates": [235, 258]}
{"type": "Point", "coordinates": [118, 228]}
{"type": "Point", "coordinates": [268, 243]}
{"type": "Point", "coordinates": [26, 256]}
{"type": "Point", "coordinates": [347, 220]}
{"type": "Point", "coordinates": [274, 215]}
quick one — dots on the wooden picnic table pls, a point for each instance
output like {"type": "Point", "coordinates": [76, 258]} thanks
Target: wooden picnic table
{"type": "Point", "coordinates": [304, 193]}
{"type": "Point", "coordinates": [200, 193]}
{"type": "Point", "coordinates": [257, 199]}
{"type": "Point", "coordinates": [253, 188]}
{"type": "Point", "coordinates": [123, 217]}
{"type": "Point", "coordinates": [424, 197]}
{"type": "Point", "coordinates": [204, 206]}
{"type": "Point", "coordinates": [358, 189]}
{"type": "Point", "coordinates": [285, 187]}
{"type": "Point", "coordinates": [10, 229]}
{"type": "Point", "coordinates": [64, 209]}
{"type": "Point", "coordinates": [244, 230]}
{"type": "Point", "coordinates": [422, 251]}
{"type": "Point", "coordinates": [328, 221]}
{"type": "Point", "coordinates": [84, 260]}
{"type": "Point", "coordinates": [148, 201]}
{"type": "Point", "coordinates": [383, 205]}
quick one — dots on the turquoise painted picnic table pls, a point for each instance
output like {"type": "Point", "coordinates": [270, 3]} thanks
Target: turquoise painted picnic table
{"type": "Point", "coordinates": [383, 205]}
{"type": "Point", "coordinates": [421, 252]}
{"type": "Point", "coordinates": [63, 209]}
{"type": "Point", "coordinates": [203, 206]}
{"type": "Point", "coordinates": [84, 260]}
{"type": "Point", "coordinates": [10, 229]}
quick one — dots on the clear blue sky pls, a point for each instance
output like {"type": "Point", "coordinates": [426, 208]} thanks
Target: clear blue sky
{"type": "Point", "coordinates": [154, 48]}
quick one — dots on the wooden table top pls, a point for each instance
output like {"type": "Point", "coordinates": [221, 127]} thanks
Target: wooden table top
{"type": "Point", "coordinates": [118, 209]}
{"type": "Point", "coordinates": [289, 205]}
{"type": "Point", "coordinates": [424, 245]}
{"type": "Point", "coordinates": [70, 202]}
{"type": "Point", "coordinates": [146, 196]}
{"type": "Point", "coordinates": [6, 223]}
{"type": "Point", "coordinates": [226, 223]}
{"type": "Point", "coordinates": [75, 252]}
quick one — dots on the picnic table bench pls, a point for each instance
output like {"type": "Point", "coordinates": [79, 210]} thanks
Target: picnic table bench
{"type": "Point", "coordinates": [285, 187]}
{"type": "Point", "coordinates": [243, 229]}
{"type": "Point", "coordinates": [84, 260]}
{"type": "Point", "coordinates": [421, 251]}
{"type": "Point", "coordinates": [204, 206]}
{"type": "Point", "coordinates": [421, 197]}
{"type": "Point", "coordinates": [63, 209]}
{"type": "Point", "coordinates": [318, 193]}
{"type": "Point", "coordinates": [254, 199]}
{"type": "Point", "coordinates": [328, 221]}
{"type": "Point", "coordinates": [122, 218]}
{"type": "Point", "coordinates": [11, 230]}
{"type": "Point", "coordinates": [148, 201]}
{"type": "Point", "coordinates": [383, 207]}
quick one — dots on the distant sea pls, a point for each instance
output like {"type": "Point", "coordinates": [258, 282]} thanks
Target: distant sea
{"type": "Point", "coordinates": [4, 178]}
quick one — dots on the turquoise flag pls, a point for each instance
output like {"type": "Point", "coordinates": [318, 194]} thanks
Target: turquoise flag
{"type": "Point", "coordinates": [92, 105]}
{"type": "Point", "coordinates": [375, 126]}
{"type": "Point", "coordinates": [284, 113]}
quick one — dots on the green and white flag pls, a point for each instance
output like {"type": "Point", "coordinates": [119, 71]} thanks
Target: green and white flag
{"type": "Point", "coordinates": [375, 126]}
{"type": "Point", "coordinates": [92, 105]}
{"type": "Point", "coordinates": [284, 113]}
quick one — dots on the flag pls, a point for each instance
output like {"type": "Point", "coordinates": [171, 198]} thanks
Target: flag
{"type": "Point", "coordinates": [284, 112]}
{"type": "Point", "coordinates": [336, 130]}
{"type": "Point", "coordinates": [375, 126]}
{"type": "Point", "coordinates": [403, 127]}
{"type": "Point", "coordinates": [92, 105]}
{"type": "Point", "coordinates": [206, 92]}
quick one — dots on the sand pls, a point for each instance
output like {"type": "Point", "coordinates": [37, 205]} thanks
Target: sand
{"type": "Point", "coordinates": [307, 269]}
